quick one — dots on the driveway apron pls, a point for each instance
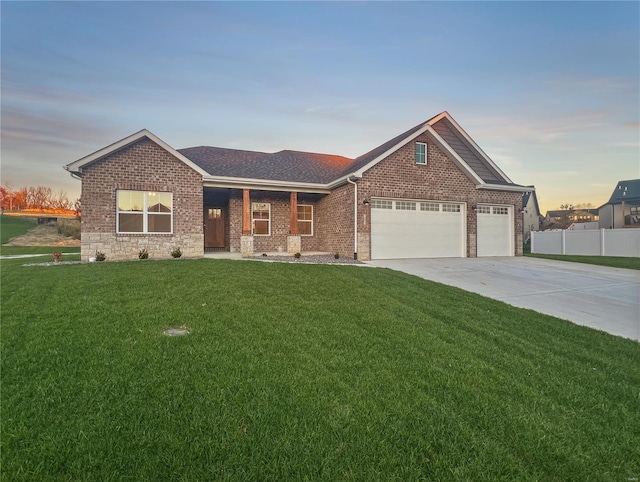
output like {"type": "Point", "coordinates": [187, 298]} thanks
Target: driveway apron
{"type": "Point", "coordinates": [599, 297]}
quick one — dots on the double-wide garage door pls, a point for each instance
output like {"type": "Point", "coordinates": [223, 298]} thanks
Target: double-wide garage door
{"type": "Point", "coordinates": [404, 228]}
{"type": "Point", "coordinates": [417, 229]}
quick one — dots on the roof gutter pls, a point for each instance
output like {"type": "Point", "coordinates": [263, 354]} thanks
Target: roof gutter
{"type": "Point", "coordinates": [73, 174]}
{"type": "Point", "coordinates": [503, 187]}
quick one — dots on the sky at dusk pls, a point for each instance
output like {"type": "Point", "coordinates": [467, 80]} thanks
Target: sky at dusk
{"type": "Point", "coordinates": [549, 90]}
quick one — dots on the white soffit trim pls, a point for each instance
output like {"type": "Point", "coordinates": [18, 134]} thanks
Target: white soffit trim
{"type": "Point", "coordinates": [471, 141]}
{"type": "Point", "coordinates": [76, 167]}
{"type": "Point", "coordinates": [264, 184]}
{"type": "Point", "coordinates": [504, 187]}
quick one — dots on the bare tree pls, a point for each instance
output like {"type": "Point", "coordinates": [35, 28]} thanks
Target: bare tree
{"type": "Point", "coordinates": [77, 208]}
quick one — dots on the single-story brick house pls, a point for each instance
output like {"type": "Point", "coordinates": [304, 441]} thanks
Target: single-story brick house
{"type": "Point", "coordinates": [429, 192]}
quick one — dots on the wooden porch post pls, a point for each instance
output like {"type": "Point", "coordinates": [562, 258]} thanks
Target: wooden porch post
{"type": "Point", "coordinates": [246, 213]}
{"type": "Point", "coordinates": [293, 220]}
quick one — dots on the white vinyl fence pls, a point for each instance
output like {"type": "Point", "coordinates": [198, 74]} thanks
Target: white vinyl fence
{"type": "Point", "coordinates": [601, 242]}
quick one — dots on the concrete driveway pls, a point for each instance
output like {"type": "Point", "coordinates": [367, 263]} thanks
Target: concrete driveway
{"type": "Point", "coordinates": [606, 299]}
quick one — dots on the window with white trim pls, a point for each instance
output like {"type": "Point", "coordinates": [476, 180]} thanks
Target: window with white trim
{"type": "Point", "coordinates": [381, 204]}
{"type": "Point", "coordinates": [261, 219]}
{"type": "Point", "coordinates": [305, 220]}
{"type": "Point", "coordinates": [450, 208]}
{"type": "Point", "coordinates": [141, 212]}
{"type": "Point", "coordinates": [430, 207]}
{"type": "Point", "coordinates": [406, 205]}
{"type": "Point", "coordinates": [421, 153]}
{"type": "Point", "coordinates": [500, 210]}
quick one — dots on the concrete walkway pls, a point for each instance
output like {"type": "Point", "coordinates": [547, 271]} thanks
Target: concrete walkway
{"type": "Point", "coordinates": [603, 298]}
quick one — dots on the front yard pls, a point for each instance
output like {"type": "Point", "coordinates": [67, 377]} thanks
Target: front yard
{"type": "Point", "coordinates": [300, 372]}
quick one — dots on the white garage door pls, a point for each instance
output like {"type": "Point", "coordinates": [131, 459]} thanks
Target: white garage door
{"type": "Point", "coordinates": [495, 230]}
{"type": "Point", "coordinates": [403, 228]}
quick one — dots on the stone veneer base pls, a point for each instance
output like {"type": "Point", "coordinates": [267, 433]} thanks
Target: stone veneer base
{"type": "Point", "coordinates": [294, 244]}
{"type": "Point", "coordinates": [246, 246]}
{"type": "Point", "coordinates": [117, 248]}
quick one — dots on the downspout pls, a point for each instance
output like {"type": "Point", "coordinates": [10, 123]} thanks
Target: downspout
{"type": "Point", "coordinates": [355, 215]}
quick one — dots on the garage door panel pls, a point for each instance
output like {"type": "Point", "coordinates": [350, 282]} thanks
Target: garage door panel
{"type": "Point", "coordinates": [495, 231]}
{"type": "Point", "coordinates": [400, 233]}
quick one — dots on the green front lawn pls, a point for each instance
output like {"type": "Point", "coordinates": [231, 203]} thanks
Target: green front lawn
{"type": "Point", "coordinates": [300, 372]}
{"type": "Point", "coordinates": [611, 261]}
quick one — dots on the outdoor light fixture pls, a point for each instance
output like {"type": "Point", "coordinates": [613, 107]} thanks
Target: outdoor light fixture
{"type": "Point", "coordinates": [474, 207]}
{"type": "Point", "coordinates": [365, 202]}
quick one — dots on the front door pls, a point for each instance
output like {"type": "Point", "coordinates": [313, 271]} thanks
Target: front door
{"type": "Point", "coordinates": [214, 227]}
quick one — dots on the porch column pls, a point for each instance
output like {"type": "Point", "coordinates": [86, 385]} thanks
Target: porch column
{"type": "Point", "coordinates": [294, 241]}
{"type": "Point", "coordinates": [246, 240]}
{"type": "Point", "coordinates": [246, 213]}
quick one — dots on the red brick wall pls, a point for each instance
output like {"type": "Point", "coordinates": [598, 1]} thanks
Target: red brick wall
{"type": "Point", "coordinates": [141, 166]}
{"type": "Point", "coordinates": [280, 219]}
{"type": "Point", "coordinates": [440, 179]}
{"type": "Point", "coordinates": [335, 221]}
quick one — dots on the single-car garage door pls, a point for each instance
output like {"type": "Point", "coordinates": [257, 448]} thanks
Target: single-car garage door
{"type": "Point", "coordinates": [495, 230]}
{"type": "Point", "coordinates": [405, 228]}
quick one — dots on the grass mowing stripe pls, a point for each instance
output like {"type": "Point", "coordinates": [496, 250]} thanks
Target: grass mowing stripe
{"type": "Point", "coordinates": [300, 372]}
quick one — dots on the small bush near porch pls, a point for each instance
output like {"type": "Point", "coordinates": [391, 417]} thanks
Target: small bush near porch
{"type": "Point", "coordinates": [299, 372]}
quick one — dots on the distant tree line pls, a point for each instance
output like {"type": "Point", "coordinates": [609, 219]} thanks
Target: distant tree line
{"type": "Point", "coordinates": [39, 198]}
{"type": "Point", "coordinates": [571, 207]}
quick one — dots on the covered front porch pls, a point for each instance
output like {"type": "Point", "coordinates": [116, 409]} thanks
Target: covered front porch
{"type": "Point", "coordinates": [245, 221]}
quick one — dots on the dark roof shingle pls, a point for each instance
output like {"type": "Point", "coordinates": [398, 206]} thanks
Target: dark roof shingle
{"type": "Point", "coordinates": [626, 191]}
{"type": "Point", "coordinates": [287, 165]}
{"type": "Point", "coordinates": [308, 167]}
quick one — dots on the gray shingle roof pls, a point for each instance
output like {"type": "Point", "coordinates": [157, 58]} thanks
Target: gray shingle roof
{"type": "Point", "coordinates": [307, 167]}
{"type": "Point", "coordinates": [291, 166]}
{"type": "Point", "coordinates": [627, 191]}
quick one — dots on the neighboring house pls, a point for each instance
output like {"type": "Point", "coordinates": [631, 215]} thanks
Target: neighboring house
{"type": "Point", "coordinates": [584, 226]}
{"type": "Point", "coordinates": [429, 192]}
{"type": "Point", "coordinates": [623, 208]}
{"type": "Point", "coordinates": [563, 218]}
{"type": "Point", "coordinates": [530, 213]}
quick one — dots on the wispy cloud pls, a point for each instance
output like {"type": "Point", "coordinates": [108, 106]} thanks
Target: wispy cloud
{"type": "Point", "coordinates": [595, 85]}
{"type": "Point", "coordinates": [549, 129]}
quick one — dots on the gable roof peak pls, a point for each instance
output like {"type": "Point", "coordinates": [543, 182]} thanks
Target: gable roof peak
{"type": "Point", "coordinates": [75, 168]}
